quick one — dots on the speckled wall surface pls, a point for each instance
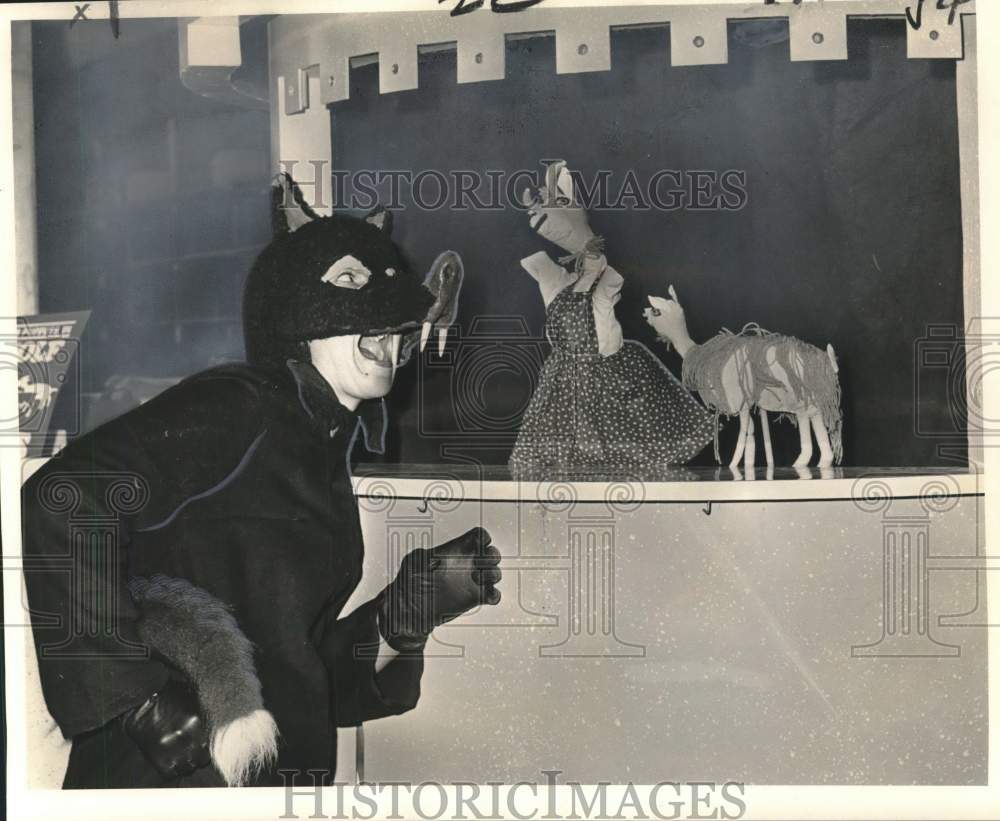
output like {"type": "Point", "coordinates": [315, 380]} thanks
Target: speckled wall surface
{"type": "Point", "coordinates": [746, 619]}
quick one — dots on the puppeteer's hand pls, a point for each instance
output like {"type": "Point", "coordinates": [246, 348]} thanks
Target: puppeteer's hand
{"type": "Point", "coordinates": [170, 731]}
{"type": "Point", "coordinates": [437, 585]}
{"type": "Point", "coordinates": [554, 213]}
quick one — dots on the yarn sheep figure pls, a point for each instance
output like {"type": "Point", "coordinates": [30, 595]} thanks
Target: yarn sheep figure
{"type": "Point", "coordinates": [735, 373]}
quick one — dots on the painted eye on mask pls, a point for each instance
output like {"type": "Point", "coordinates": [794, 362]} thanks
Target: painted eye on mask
{"type": "Point", "coordinates": [347, 272]}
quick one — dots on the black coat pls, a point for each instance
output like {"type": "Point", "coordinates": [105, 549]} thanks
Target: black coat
{"type": "Point", "coordinates": [237, 480]}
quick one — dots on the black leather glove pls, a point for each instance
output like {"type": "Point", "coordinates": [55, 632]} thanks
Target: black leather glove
{"type": "Point", "coordinates": [437, 585]}
{"type": "Point", "coordinates": [170, 731]}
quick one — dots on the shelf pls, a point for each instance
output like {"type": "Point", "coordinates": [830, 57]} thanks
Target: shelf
{"type": "Point", "coordinates": [674, 484]}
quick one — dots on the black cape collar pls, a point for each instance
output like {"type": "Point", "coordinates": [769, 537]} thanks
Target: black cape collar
{"type": "Point", "coordinates": [322, 406]}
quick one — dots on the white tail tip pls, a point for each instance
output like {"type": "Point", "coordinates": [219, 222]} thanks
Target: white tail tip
{"type": "Point", "coordinates": [442, 340]}
{"type": "Point", "coordinates": [425, 332]}
{"type": "Point", "coordinates": [245, 747]}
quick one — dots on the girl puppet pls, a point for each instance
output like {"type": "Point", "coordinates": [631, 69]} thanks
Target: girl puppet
{"type": "Point", "coordinates": [600, 403]}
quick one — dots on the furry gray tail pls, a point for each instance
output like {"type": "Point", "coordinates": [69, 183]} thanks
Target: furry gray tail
{"type": "Point", "coordinates": [196, 632]}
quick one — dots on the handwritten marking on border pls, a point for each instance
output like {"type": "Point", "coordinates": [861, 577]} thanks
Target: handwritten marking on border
{"type": "Point", "coordinates": [81, 14]}
{"type": "Point", "coordinates": [114, 16]}
{"type": "Point", "coordinates": [496, 6]}
{"type": "Point", "coordinates": [916, 20]}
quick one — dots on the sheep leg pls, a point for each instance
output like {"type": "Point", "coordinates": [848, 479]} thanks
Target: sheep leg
{"type": "Point", "coordinates": [741, 437]}
{"type": "Point", "coordinates": [750, 452]}
{"type": "Point", "coordinates": [766, 430]}
{"type": "Point", "coordinates": [823, 439]}
{"type": "Point", "coordinates": [805, 440]}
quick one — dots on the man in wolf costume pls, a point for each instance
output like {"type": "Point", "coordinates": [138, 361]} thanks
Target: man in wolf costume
{"type": "Point", "coordinates": [242, 540]}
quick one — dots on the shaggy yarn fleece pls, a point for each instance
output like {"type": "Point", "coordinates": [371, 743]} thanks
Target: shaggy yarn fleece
{"type": "Point", "coordinates": [196, 633]}
{"type": "Point", "coordinates": [811, 374]}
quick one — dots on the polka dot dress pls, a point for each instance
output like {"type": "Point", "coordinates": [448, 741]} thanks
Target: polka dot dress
{"type": "Point", "coordinates": [610, 412]}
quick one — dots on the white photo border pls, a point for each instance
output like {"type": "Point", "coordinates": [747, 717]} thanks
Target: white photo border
{"type": "Point", "coordinates": [763, 802]}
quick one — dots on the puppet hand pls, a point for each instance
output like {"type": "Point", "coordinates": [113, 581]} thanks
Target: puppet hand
{"type": "Point", "coordinates": [593, 263]}
{"type": "Point", "coordinates": [554, 213]}
{"type": "Point", "coordinates": [170, 731]}
{"type": "Point", "coordinates": [437, 585]}
{"type": "Point", "coordinates": [666, 317]}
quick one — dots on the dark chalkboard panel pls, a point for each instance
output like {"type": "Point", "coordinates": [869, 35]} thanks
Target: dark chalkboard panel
{"type": "Point", "coordinates": [851, 233]}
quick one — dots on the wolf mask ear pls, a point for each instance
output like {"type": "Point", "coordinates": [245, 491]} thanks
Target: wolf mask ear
{"type": "Point", "coordinates": [289, 209]}
{"type": "Point", "coordinates": [381, 219]}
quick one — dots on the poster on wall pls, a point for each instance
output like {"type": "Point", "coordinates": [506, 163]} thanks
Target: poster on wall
{"type": "Point", "coordinates": [47, 357]}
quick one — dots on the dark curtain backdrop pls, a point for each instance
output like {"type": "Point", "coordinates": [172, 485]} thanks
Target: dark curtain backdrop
{"type": "Point", "coordinates": [153, 203]}
{"type": "Point", "coordinates": [851, 233]}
